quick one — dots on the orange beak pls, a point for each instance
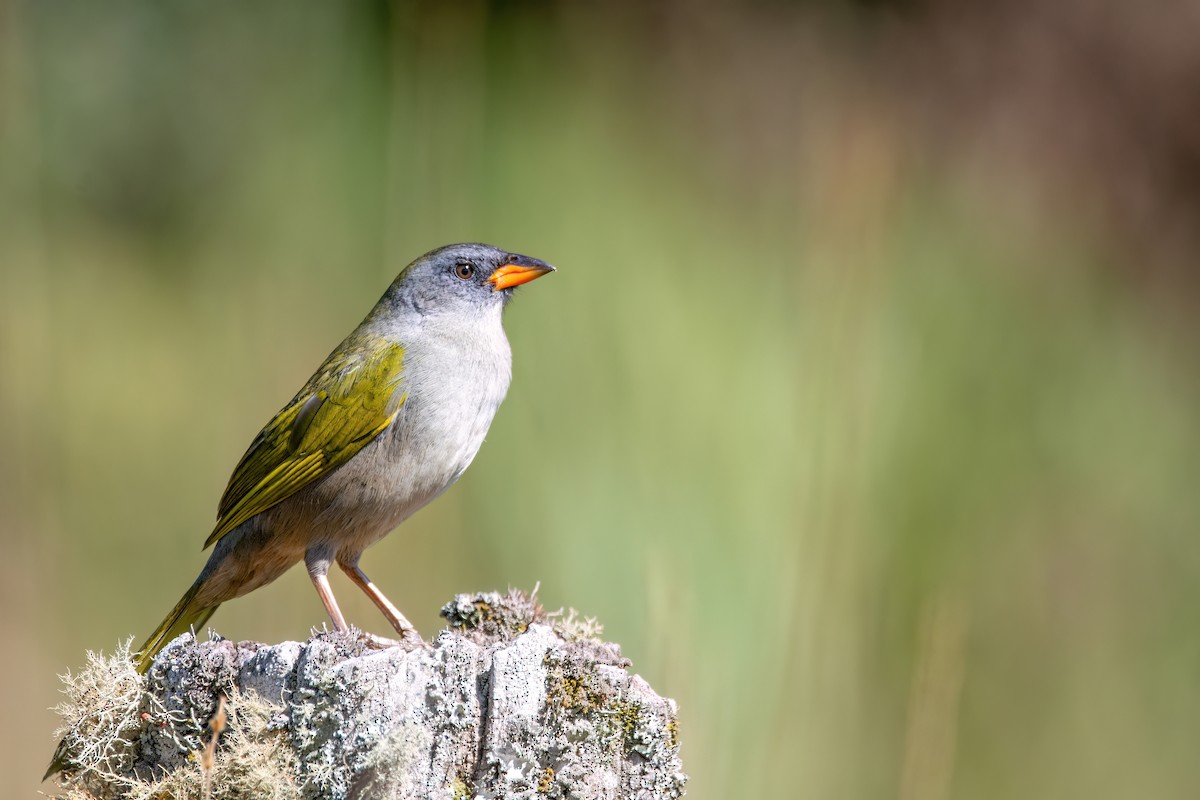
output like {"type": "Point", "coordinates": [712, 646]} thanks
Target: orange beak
{"type": "Point", "coordinates": [519, 269]}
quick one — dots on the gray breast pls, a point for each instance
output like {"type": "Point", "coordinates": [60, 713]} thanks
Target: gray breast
{"type": "Point", "coordinates": [453, 383]}
{"type": "Point", "coordinates": [453, 389]}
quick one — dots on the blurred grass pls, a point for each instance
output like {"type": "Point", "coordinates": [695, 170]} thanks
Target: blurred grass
{"type": "Point", "coordinates": [892, 491]}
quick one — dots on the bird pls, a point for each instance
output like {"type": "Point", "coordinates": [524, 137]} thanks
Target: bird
{"type": "Point", "coordinates": [389, 421]}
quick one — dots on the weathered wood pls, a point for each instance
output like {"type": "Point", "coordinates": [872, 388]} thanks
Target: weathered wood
{"type": "Point", "coordinates": [508, 702]}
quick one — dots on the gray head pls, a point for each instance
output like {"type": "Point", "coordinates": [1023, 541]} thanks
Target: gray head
{"type": "Point", "coordinates": [467, 279]}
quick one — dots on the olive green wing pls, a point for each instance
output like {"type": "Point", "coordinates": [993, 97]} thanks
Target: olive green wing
{"type": "Point", "coordinates": [349, 402]}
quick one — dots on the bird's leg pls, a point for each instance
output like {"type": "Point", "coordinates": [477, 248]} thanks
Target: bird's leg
{"type": "Point", "coordinates": [321, 582]}
{"type": "Point", "coordinates": [402, 625]}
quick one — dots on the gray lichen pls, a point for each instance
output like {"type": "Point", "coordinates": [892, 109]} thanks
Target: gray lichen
{"type": "Point", "coordinates": [509, 702]}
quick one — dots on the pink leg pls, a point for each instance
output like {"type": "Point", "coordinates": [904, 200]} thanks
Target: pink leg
{"type": "Point", "coordinates": [321, 582]}
{"type": "Point", "coordinates": [402, 625]}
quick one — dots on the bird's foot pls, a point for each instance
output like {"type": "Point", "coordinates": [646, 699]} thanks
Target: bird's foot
{"type": "Point", "coordinates": [377, 642]}
{"type": "Point", "coordinates": [412, 640]}
{"type": "Point", "coordinates": [409, 640]}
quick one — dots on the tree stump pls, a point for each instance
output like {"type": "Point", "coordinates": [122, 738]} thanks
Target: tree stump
{"type": "Point", "coordinates": [507, 702]}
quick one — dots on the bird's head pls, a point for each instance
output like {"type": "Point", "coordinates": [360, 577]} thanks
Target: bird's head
{"type": "Point", "coordinates": [464, 279]}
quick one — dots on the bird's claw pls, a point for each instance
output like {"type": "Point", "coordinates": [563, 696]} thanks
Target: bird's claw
{"type": "Point", "coordinates": [377, 642]}
{"type": "Point", "coordinates": [409, 640]}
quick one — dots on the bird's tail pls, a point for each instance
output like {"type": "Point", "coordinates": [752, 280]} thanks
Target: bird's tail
{"type": "Point", "coordinates": [183, 617]}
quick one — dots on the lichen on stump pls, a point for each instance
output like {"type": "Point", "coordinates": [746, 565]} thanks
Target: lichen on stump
{"type": "Point", "coordinates": [507, 702]}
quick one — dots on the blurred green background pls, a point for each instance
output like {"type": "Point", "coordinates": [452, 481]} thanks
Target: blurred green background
{"type": "Point", "coordinates": [862, 410]}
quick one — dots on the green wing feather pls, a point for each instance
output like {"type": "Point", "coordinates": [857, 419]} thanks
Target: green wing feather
{"type": "Point", "coordinates": [349, 402]}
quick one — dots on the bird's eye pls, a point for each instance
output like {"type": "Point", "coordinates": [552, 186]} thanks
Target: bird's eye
{"type": "Point", "coordinates": [464, 271]}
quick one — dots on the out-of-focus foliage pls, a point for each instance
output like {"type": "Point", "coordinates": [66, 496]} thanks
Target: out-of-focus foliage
{"type": "Point", "coordinates": [862, 409]}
